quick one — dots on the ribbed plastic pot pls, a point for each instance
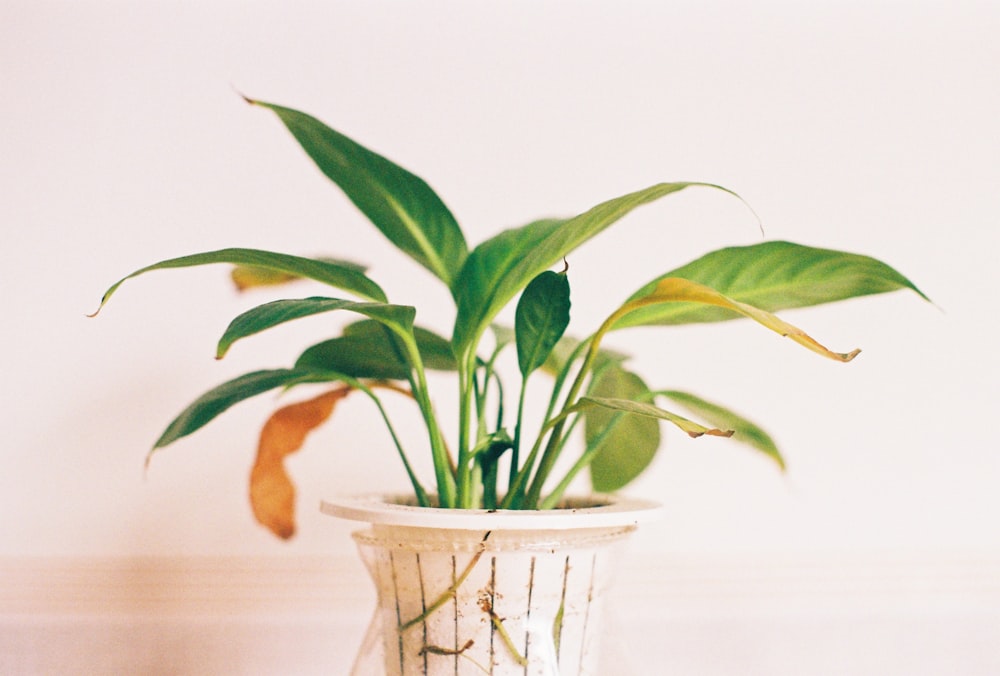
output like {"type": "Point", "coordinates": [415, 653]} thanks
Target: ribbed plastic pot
{"type": "Point", "coordinates": [497, 592]}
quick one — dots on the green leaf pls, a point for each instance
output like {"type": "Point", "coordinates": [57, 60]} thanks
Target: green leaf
{"type": "Point", "coordinates": [541, 318]}
{"type": "Point", "coordinates": [624, 445]}
{"type": "Point", "coordinates": [217, 400]}
{"type": "Point", "coordinates": [771, 276]}
{"type": "Point", "coordinates": [399, 318]}
{"type": "Point", "coordinates": [500, 267]}
{"type": "Point", "coordinates": [367, 350]}
{"type": "Point", "coordinates": [401, 205]}
{"type": "Point", "coordinates": [346, 277]}
{"type": "Point", "coordinates": [746, 432]}
{"type": "Point", "coordinates": [251, 276]}
{"type": "Point", "coordinates": [356, 356]}
{"type": "Point", "coordinates": [435, 350]}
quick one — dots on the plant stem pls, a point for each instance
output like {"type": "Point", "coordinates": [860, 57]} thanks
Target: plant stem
{"type": "Point", "coordinates": [439, 453]}
{"type": "Point", "coordinates": [514, 497]}
{"type": "Point", "coordinates": [466, 366]}
{"type": "Point", "coordinates": [553, 498]}
{"type": "Point", "coordinates": [515, 457]}
{"type": "Point", "coordinates": [552, 449]}
{"type": "Point", "coordinates": [418, 489]}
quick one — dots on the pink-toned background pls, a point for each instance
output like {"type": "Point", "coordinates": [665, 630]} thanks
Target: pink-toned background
{"type": "Point", "coordinates": [870, 128]}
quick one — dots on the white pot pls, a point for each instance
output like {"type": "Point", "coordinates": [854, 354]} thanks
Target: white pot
{"type": "Point", "coordinates": [496, 592]}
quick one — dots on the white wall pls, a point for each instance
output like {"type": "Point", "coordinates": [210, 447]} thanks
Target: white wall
{"type": "Point", "coordinates": [867, 127]}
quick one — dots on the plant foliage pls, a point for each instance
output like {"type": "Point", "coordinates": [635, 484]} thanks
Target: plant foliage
{"type": "Point", "coordinates": [385, 349]}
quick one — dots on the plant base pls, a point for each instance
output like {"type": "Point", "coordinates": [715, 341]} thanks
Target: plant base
{"type": "Point", "coordinates": [523, 593]}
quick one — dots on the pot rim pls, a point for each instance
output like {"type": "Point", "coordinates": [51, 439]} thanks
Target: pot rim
{"type": "Point", "coordinates": [592, 511]}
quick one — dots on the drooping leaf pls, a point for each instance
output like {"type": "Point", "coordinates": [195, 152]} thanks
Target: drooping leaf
{"type": "Point", "coordinates": [217, 400]}
{"type": "Point", "coordinates": [368, 350]}
{"type": "Point", "coordinates": [691, 428]}
{"type": "Point", "coordinates": [272, 493]}
{"type": "Point", "coordinates": [398, 203]}
{"type": "Point", "coordinates": [502, 266]}
{"type": "Point", "coordinates": [541, 317]}
{"type": "Point", "coordinates": [342, 276]}
{"type": "Point", "coordinates": [399, 318]}
{"type": "Point", "coordinates": [674, 289]}
{"type": "Point", "coordinates": [247, 277]}
{"type": "Point", "coordinates": [771, 276]}
{"type": "Point", "coordinates": [746, 432]}
{"type": "Point", "coordinates": [624, 444]}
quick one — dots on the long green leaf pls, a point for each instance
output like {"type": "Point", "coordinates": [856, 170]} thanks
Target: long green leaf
{"type": "Point", "coordinates": [399, 318]}
{"type": "Point", "coordinates": [217, 400]}
{"type": "Point", "coordinates": [344, 276]}
{"type": "Point", "coordinates": [398, 203]}
{"type": "Point", "coordinates": [624, 445]}
{"type": "Point", "coordinates": [541, 318]}
{"type": "Point", "coordinates": [746, 432]}
{"type": "Point", "coordinates": [771, 276]}
{"type": "Point", "coordinates": [502, 266]}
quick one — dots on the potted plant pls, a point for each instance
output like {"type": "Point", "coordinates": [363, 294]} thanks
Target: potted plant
{"type": "Point", "coordinates": [496, 511]}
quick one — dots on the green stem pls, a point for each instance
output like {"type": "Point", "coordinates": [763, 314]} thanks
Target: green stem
{"type": "Point", "coordinates": [554, 445]}
{"type": "Point", "coordinates": [418, 489]}
{"type": "Point", "coordinates": [553, 498]}
{"type": "Point", "coordinates": [512, 499]}
{"type": "Point", "coordinates": [466, 368]}
{"type": "Point", "coordinates": [518, 482]}
{"type": "Point", "coordinates": [515, 456]}
{"type": "Point", "coordinates": [439, 453]}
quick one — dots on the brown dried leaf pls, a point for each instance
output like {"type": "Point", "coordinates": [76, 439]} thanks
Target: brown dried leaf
{"type": "Point", "coordinates": [272, 494]}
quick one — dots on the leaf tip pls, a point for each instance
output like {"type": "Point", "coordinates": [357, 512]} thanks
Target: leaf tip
{"type": "Point", "coordinates": [285, 531]}
{"type": "Point", "coordinates": [149, 458]}
{"type": "Point", "coordinates": [850, 355]}
{"type": "Point", "coordinates": [243, 96]}
{"type": "Point", "coordinates": [100, 307]}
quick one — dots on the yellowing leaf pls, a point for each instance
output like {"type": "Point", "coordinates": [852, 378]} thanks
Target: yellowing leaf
{"type": "Point", "coordinates": [691, 428]}
{"type": "Point", "coordinates": [272, 494]}
{"type": "Point", "coordinates": [675, 289]}
{"type": "Point", "coordinates": [249, 276]}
